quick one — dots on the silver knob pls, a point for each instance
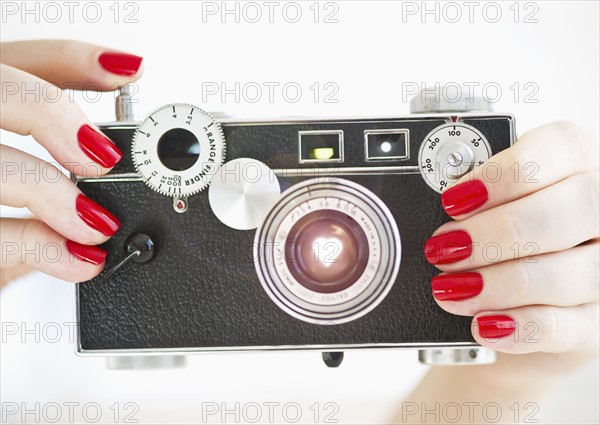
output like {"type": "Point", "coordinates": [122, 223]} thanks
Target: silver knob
{"type": "Point", "coordinates": [124, 105]}
{"type": "Point", "coordinates": [457, 356]}
{"type": "Point", "coordinates": [448, 98]}
{"type": "Point", "coordinates": [242, 192]}
{"type": "Point", "coordinates": [145, 362]}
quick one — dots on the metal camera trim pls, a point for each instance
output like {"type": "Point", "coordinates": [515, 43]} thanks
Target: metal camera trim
{"type": "Point", "coordinates": [371, 296]}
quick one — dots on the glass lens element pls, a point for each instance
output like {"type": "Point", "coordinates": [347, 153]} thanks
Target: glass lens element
{"type": "Point", "coordinates": [327, 251]}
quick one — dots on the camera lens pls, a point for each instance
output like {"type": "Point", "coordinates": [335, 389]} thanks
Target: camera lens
{"type": "Point", "coordinates": [178, 149]}
{"type": "Point", "coordinates": [326, 251]}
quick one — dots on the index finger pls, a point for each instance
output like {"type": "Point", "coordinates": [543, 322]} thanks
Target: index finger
{"type": "Point", "coordinates": [73, 64]}
{"type": "Point", "coordinates": [540, 158]}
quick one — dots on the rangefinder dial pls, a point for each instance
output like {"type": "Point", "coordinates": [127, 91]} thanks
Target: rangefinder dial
{"type": "Point", "coordinates": [449, 152]}
{"type": "Point", "coordinates": [178, 149]}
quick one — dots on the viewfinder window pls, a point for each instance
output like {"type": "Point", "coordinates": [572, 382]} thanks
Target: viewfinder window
{"type": "Point", "coordinates": [321, 146]}
{"type": "Point", "coordinates": [386, 145]}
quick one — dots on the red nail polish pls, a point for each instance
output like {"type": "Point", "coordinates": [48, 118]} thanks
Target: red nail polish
{"type": "Point", "coordinates": [98, 147]}
{"type": "Point", "coordinates": [86, 253]}
{"type": "Point", "coordinates": [456, 286]}
{"type": "Point", "coordinates": [120, 63]}
{"type": "Point", "coordinates": [97, 217]}
{"type": "Point", "coordinates": [448, 247]}
{"type": "Point", "coordinates": [497, 326]}
{"type": "Point", "coordinates": [465, 197]}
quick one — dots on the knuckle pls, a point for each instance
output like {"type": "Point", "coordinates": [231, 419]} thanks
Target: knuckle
{"type": "Point", "coordinates": [549, 324]}
{"type": "Point", "coordinates": [586, 193]}
{"type": "Point", "coordinates": [594, 271]}
{"type": "Point", "coordinates": [509, 228]}
{"type": "Point", "coordinates": [53, 106]}
{"type": "Point", "coordinates": [28, 230]}
{"type": "Point", "coordinates": [525, 279]}
{"type": "Point", "coordinates": [576, 138]}
{"type": "Point", "coordinates": [570, 130]}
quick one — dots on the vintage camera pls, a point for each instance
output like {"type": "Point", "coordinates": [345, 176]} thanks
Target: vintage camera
{"type": "Point", "coordinates": [281, 234]}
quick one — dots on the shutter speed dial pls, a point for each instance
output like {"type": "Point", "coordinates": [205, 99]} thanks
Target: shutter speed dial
{"type": "Point", "coordinates": [177, 150]}
{"type": "Point", "coordinates": [449, 152]}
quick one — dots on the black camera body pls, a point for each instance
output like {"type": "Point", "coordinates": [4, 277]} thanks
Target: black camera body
{"type": "Point", "coordinates": [366, 189]}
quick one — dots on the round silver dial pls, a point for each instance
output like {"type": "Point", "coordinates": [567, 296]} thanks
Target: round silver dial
{"type": "Point", "coordinates": [449, 152]}
{"type": "Point", "coordinates": [177, 150]}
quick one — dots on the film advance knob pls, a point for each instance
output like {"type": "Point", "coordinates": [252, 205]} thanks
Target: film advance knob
{"type": "Point", "coordinates": [242, 192]}
{"type": "Point", "coordinates": [448, 98]}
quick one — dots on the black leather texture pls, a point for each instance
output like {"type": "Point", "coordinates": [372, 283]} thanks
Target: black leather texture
{"type": "Point", "coordinates": [201, 290]}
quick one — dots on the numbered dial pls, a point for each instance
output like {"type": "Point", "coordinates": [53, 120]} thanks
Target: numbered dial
{"type": "Point", "coordinates": [449, 152]}
{"type": "Point", "coordinates": [177, 150]}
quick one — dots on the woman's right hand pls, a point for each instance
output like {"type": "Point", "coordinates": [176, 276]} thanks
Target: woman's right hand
{"type": "Point", "coordinates": [61, 238]}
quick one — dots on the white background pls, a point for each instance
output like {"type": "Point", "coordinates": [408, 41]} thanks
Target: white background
{"type": "Point", "coordinates": [369, 53]}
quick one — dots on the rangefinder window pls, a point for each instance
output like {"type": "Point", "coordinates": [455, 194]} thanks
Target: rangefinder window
{"type": "Point", "coordinates": [386, 145]}
{"type": "Point", "coordinates": [321, 146]}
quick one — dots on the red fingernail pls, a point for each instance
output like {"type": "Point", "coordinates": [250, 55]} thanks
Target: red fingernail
{"type": "Point", "coordinates": [456, 286]}
{"type": "Point", "coordinates": [465, 197]}
{"type": "Point", "coordinates": [448, 247]}
{"type": "Point", "coordinates": [120, 63]}
{"type": "Point", "coordinates": [87, 253]}
{"type": "Point", "coordinates": [98, 147]}
{"type": "Point", "coordinates": [496, 326]}
{"type": "Point", "coordinates": [96, 216]}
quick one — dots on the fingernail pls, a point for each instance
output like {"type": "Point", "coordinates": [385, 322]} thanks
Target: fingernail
{"type": "Point", "coordinates": [465, 197]}
{"type": "Point", "coordinates": [120, 63]}
{"type": "Point", "coordinates": [497, 326]}
{"type": "Point", "coordinates": [448, 247]}
{"type": "Point", "coordinates": [98, 147]}
{"type": "Point", "coordinates": [86, 253]}
{"type": "Point", "coordinates": [456, 286]}
{"type": "Point", "coordinates": [97, 217]}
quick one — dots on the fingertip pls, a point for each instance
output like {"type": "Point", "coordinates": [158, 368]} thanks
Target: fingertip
{"type": "Point", "coordinates": [78, 262]}
{"type": "Point", "coordinates": [86, 253]}
{"type": "Point", "coordinates": [464, 198]}
{"type": "Point", "coordinates": [81, 272]}
{"type": "Point", "coordinates": [99, 148]}
{"type": "Point", "coordinates": [122, 64]}
{"type": "Point", "coordinates": [96, 216]}
{"type": "Point", "coordinates": [496, 331]}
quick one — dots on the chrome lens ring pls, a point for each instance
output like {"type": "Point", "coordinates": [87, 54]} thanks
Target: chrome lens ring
{"type": "Point", "coordinates": [370, 215]}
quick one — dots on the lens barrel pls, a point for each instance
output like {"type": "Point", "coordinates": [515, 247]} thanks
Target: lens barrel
{"type": "Point", "coordinates": [328, 252]}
